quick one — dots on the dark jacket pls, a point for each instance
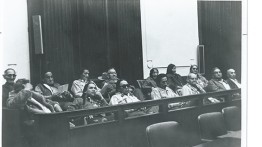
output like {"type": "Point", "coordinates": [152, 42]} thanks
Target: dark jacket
{"type": "Point", "coordinates": [6, 88]}
{"type": "Point", "coordinates": [231, 84]}
{"type": "Point", "coordinates": [174, 80]}
{"type": "Point", "coordinates": [214, 85]}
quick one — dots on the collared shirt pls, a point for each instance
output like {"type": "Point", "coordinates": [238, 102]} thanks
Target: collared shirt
{"type": "Point", "coordinates": [119, 98]}
{"type": "Point", "coordinates": [202, 81]}
{"type": "Point", "coordinates": [52, 89]}
{"type": "Point", "coordinates": [159, 93]}
{"type": "Point", "coordinates": [225, 84]}
{"type": "Point", "coordinates": [78, 87]}
{"type": "Point", "coordinates": [191, 90]}
{"type": "Point", "coordinates": [236, 82]}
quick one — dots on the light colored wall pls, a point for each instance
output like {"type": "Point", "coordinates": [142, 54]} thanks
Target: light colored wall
{"type": "Point", "coordinates": [14, 37]}
{"type": "Point", "coordinates": [169, 34]}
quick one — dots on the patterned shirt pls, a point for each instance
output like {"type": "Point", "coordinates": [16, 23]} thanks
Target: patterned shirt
{"type": "Point", "coordinates": [159, 93]}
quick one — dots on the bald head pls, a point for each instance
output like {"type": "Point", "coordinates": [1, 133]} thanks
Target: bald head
{"type": "Point", "coordinates": [231, 74]}
{"type": "Point", "coordinates": [192, 79]}
{"type": "Point", "coordinates": [9, 75]}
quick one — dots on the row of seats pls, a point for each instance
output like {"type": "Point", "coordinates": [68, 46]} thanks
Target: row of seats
{"type": "Point", "coordinates": [217, 130]}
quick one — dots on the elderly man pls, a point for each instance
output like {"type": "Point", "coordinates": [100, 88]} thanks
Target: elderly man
{"type": "Point", "coordinates": [49, 89]}
{"type": "Point", "coordinates": [192, 87]}
{"type": "Point", "coordinates": [232, 81]}
{"type": "Point", "coordinates": [109, 87]}
{"type": "Point", "coordinates": [9, 75]}
{"type": "Point", "coordinates": [217, 83]}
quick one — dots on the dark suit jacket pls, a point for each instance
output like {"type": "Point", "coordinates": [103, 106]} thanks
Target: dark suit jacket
{"type": "Point", "coordinates": [232, 84]}
{"type": "Point", "coordinates": [213, 85]}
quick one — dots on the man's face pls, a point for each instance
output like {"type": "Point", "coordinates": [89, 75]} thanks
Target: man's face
{"type": "Point", "coordinates": [85, 75]}
{"type": "Point", "coordinates": [231, 74]}
{"type": "Point", "coordinates": [112, 75]}
{"type": "Point", "coordinates": [192, 79]}
{"type": "Point", "coordinates": [217, 74]}
{"type": "Point", "coordinates": [155, 74]}
{"type": "Point", "coordinates": [10, 76]}
{"type": "Point", "coordinates": [49, 80]}
{"type": "Point", "coordinates": [91, 90]}
{"type": "Point", "coordinates": [163, 83]}
{"type": "Point", "coordinates": [124, 87]}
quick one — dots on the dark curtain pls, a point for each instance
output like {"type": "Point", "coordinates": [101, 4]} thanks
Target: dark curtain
{"type": "Point", "coordinates": [93, 34]}
{"type": "Point", "coordinates": [220, 32]}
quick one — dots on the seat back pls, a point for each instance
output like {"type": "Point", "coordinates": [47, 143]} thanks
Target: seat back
{"type": "Point", "coordinates": [140, 83]}
{"type": "Point", "coordinates": [232, 117]}
{"type": "Point", "coordinates": [211, 125]}
{"type": "Point", "coordinates": [165, 134]}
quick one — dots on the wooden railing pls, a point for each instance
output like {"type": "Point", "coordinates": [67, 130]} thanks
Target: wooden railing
{"type": "Point", "coordinates": [54, 130]}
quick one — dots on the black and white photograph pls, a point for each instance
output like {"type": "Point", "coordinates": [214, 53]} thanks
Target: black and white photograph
{"type": "Point", "coordinates": [124, 73]}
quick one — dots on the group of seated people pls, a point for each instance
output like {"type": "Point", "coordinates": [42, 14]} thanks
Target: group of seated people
{"type": "Point", "coordinates": [85, 94]}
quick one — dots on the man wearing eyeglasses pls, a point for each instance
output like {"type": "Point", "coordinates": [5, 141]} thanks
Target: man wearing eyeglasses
{"type": "Point", "coordinates": [9, 75]}
{"type": "Point", "coordinates": [123, 95]}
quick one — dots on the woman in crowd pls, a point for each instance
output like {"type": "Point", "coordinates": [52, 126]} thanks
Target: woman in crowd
{"type": "Point", "coordinates": [92, 98]}
{"type": "Point", "coordinates": [78, 85]}
{"type": "Point", "coordinates": [151, 80]}
{"type": "Point", "coordinates": [202, 81]}
{"type": "Point", "coordinates": [174, 80]}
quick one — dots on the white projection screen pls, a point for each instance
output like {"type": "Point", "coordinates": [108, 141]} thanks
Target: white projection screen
{"type": "Point", "coordinates": [169, 34]}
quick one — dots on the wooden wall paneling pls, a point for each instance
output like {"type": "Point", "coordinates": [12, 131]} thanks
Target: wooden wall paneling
{"type": "Point", "coordinates": [34, 8]}
{"type": "Point", "coordinates": [95, 34]}
{"type": "Point", "coordinates": [130, 40]}
{"type": "Point", "coordinates": [60, 39]}
{"type": "Point", "coordinates": [93, 37]}
{"type": "Point", "coordinates": [220, 32]}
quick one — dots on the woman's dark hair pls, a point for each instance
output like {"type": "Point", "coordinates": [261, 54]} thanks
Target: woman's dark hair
{"type": "Point", "coordinates": [19, 84]}
{"type": "Point", "coordinates": [152, 71]}
{"type": "Point", "coordinates": [191, 67]}
{"type": "Point", "coordinates": [85, 88]}
{"type": "Point", "coordinates": [159, 78]}
{"type": "Point", "coordinates": [169, 68]}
